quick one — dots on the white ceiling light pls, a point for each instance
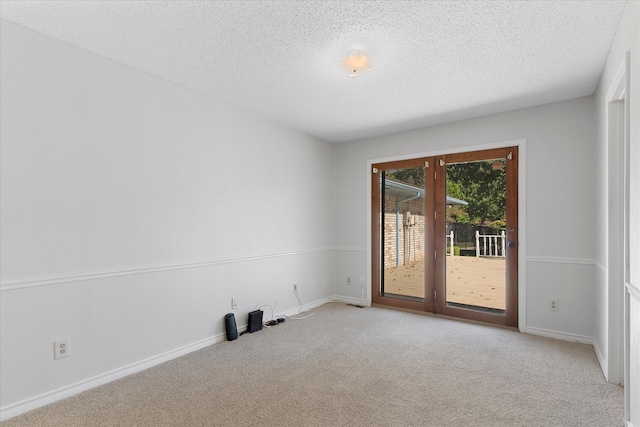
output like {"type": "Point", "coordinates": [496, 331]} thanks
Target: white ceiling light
{"type": "Point", "coordinates": [355, 63]}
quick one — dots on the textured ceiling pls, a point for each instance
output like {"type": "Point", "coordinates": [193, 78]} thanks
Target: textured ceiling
{"type": "Point", "coordinates": [438, 61]}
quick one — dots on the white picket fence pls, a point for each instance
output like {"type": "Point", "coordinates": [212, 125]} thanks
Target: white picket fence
{"type": "Point", "coordinates": [489, 245]}
{"type": "Point", "coordinates": [493, 245]}
{"type": "Point", "coordinates": [450, 243]}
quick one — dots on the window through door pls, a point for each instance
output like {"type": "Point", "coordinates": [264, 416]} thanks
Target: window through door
{"type": "Point", "coordinates": [445, 235]}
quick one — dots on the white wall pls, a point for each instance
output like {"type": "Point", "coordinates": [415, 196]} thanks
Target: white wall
{"type": "Point", "coordinates": [133, 211]}
{"type": "Point", "coordinates": [559, 248]}
{"type": "Point", "coordinates": [611, 281]}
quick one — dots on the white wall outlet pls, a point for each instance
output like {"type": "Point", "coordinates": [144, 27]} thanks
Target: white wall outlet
{"type": "Point", "coordinates": [348, 280]}
{"type": "Point", "coordinates": [295, 286]}
{"type": "Point", "coordinates": [234, 303]}
{"type": "Point", "coordinates": [553, 305]}
{"type": "Point", "coordinates": [362, 280]}
{"type": "Point", "coordinates": [61, 349]}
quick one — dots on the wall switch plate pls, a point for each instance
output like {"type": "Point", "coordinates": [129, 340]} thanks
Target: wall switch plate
{"type": "Point", "coordinates": [61, 349]}
{"type": "Point", "coordinates": [553, 305]}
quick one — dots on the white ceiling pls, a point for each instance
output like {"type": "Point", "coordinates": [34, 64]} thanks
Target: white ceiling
{"type": "Point", "coordinates": [439, 60]}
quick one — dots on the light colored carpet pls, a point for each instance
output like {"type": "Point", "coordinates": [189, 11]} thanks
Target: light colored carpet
{"type": "Point", "coordinates": [349, 366]}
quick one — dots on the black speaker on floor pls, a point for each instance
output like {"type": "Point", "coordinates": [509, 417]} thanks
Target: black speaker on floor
{"type": "Point", "coordinates": [255, 321]}
{"type": "Point", "coordinates": [230, 324]}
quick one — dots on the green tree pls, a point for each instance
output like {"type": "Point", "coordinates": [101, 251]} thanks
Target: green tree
{"type": "Point", "coordinates": [411, 176]}
{"type": "Point", "coordinates": [483, 186]}
{"type": "Point", "coordinates": [456, 213]}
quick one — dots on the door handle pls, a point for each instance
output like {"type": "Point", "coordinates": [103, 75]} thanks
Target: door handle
{"type": "Point", "coordinates": [511, 244]}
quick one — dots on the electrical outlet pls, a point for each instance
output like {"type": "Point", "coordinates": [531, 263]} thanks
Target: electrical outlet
{"type": "Point", "coordinates": [295, 286]}
{"type": "Point", "coordinates": [348, 280]}
{"type": "Point", "coordinates": [234, 303]}
{"type": "Point", "coordinates": [554, 305]}
{"type": "Point", "coordinates": [61, 349]}
{"type": "Point", "coordinates": [362, 280]}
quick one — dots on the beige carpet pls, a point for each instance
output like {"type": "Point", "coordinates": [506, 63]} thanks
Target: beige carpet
{"type": "Point", "coordinates": [348, 366]}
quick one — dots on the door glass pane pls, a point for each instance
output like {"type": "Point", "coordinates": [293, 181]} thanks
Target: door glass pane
{"type": "Point", "coordinates": [402, 233]}
{"type": "Point", "coordinates": [475, 235]}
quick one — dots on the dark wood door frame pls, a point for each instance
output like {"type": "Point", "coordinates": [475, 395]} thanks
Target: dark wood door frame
{"type": "Point", "coordinates": [510, 315]}
{"type": "Point", "coordinates": [435, 267]}
{"type": "Point", "coordinates": [376, 297]}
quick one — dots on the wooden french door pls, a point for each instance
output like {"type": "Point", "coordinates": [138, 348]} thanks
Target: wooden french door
{"type": "Point", "coordinates": [418, 261]}
{"type": "Point", "coordinates": [401, 192]}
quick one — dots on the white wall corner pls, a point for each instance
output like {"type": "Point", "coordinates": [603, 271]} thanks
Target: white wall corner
{"type": "Point", "coordinates": [602, 359]}
{"type": "Point", "coordinates": [582, 339]}
{"type": "Point", "coordinates": [564, 336]}
{"type": "Point", "coordinates": [352, 301]}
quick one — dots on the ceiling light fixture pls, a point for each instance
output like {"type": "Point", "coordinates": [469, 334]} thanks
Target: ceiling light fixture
{"type": "Point", "coordinates": [356, 63]}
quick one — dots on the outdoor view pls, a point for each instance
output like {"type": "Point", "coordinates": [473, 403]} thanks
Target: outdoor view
{"type": "Point", "coordinates": [476, 237]}
{"type": "Point", "coordinates": [404, 233]}
{"type": "Point", "coordinates": [475, 233]}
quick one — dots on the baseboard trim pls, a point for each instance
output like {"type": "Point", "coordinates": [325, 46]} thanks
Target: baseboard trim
{"type": "Point", "coordinates": [307, 307]}
{"type": "Point", "coordinates": [583, 339]}
{"type": "Point", "coordinates": [352, 301]}
{"type": "Point", "coordinates": [30, 404]}
{"type": "Point", "coordinates": [15, 409]}
{"type": "Point", "coordinates": [604, 365]}
{"type": "Point", "coordinates": [26, 405]}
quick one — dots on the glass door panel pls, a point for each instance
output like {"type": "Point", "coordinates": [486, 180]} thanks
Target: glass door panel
{"type": "Point", "coordinates": [476, 236]}
{"type": "Point", "coordinates": [401, 230]}
{"type": "Point", "coordinates": [475, 273]}
{"type": "Point", "coordinates": [445, 235]}
{"type": "Point", "coordinates": [403, 233]}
